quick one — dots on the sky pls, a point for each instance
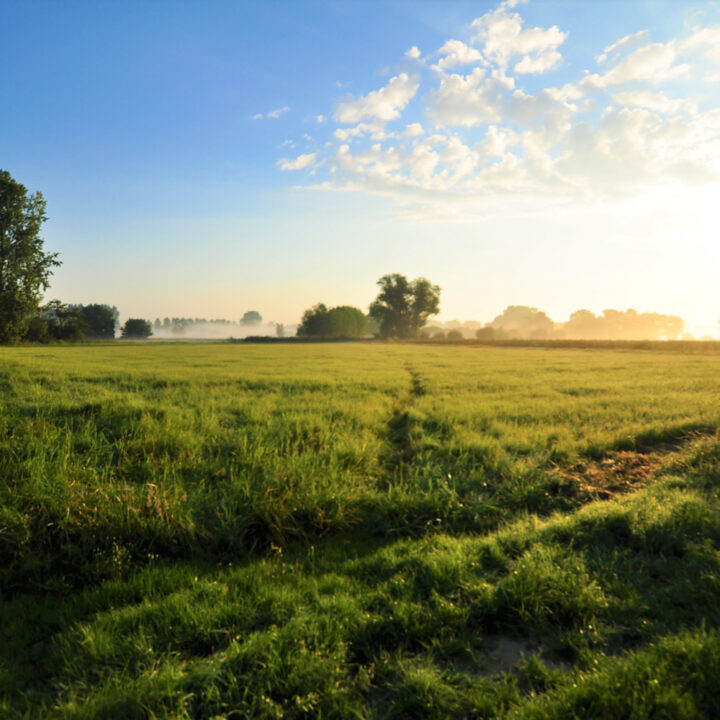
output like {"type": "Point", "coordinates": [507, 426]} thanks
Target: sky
{"type": "Point", "coordinates": [204, 159]}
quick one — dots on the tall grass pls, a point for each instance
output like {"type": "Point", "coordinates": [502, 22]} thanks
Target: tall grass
{"type": "Point", "coordinates": [356, 531]}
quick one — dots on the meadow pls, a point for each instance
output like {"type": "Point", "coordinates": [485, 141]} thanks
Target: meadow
{"type": "Point", "coordinates": [359, 531]}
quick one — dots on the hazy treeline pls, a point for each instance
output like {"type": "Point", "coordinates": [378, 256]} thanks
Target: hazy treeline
{"type": "Point", "coordinates": [521, 322]}
{"type": "Point", "coordinates": [218, 328]}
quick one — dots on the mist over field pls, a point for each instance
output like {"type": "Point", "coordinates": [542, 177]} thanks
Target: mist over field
{"type": "Point", "coordinates": [221, 331]}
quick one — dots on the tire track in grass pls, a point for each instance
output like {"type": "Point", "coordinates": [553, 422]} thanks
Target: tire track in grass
{"type": "Point", "coordinates": [399, 428]}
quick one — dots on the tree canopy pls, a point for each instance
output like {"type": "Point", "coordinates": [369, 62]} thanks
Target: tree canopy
{"type": "Point", "coordinates": [251, 317]}
{"type": "Point", "coordinates": [25, 268]}
{"type": "Point", "coordinates": [100, 320]}
{"type": "Point", "coordinates": [402, 307]}
{"type": "Point", "coordinates": [136, 329]}
{"type": "Point", "coordinates": [343, 321]}
{"type": "Point", "coordinates": [520, 321]}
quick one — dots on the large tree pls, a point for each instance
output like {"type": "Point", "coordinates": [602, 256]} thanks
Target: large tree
{"type": "Point", "coordinates": [25, 268]}
{"type": "Point", "coordinates": [402, 306]}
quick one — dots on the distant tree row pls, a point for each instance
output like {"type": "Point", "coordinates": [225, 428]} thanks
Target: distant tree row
{"type": "Point", "coordinates": [522, 322]}
{"type": "Point", "coordinates": [180, 325]}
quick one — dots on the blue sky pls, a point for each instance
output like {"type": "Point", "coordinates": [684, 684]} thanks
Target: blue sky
{"type": "Point", "coordinates": [186, 172]}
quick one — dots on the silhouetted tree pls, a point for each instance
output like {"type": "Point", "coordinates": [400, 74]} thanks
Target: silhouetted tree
{"type": "Point", "coordinates": [25, 268]}
{"type": "Point", "coordinates": [136, 329]}
{"type": "Point", "coordinates": [403, 307]}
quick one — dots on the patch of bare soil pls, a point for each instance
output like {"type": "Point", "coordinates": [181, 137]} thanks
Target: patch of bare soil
{"type": "Point", "coordinates": [618, 473]}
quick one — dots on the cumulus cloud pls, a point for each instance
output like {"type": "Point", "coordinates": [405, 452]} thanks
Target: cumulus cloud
{"type": "Point", "coordinates": [299, 163]}
{"type": "Point", "coordinates": [413, 130]}
{"type": "Point", "coordinates": [456, 52]}
{"type": "Point", "coordinates": [383, 104]}
{"type": "Point", "coordinates": [465, 100]}
{"type": "Point", "coordinates": [503, 37]}
{"type": "Point", "coordinates": [653, 63]}
{"type": "Point", "coordinates": [479, 132]}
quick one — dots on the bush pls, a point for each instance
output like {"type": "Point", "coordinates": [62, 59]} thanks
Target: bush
{"type": "Point", "coordinates": [136, 329]}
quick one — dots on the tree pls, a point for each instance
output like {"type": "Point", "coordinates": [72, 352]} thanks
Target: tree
{"type": "Point", "coordinates": [136, 329]}
{"type": "Point", "coordinates": [521, 321]}
{"type": "Point", "coordinates": [100, 320]}
{"type": "Point", "coordinates": [251, 317]}
{"type": "Point", "coordinates": [25, 269]}
{"type": "Point", "coordinates": [338, 322]}
{"type": "Point", "coordinates": [403, 307]}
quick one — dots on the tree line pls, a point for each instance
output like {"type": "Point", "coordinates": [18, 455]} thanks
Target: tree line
{"type": "Point", "coordinates": [401, 309]}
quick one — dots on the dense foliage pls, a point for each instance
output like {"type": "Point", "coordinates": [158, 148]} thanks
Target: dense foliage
{"type": "Point", "coordinates": [375, 531]}
{"type": "Point", "coordinates": [25, 267]}
{"type": "Point", "coordinates": [136, 329]}
{"type": "Point", "coordinates": [338, 322]}
{"type": "Point", "coordinates": [402, 307]}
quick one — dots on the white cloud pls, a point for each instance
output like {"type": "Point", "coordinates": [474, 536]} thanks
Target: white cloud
{"type": "Point", "coordinates": [383, 104]}
{"type": "Point", "coordinates": [657, 101]}
{"type": "Point", "coordinates": [413, 130]}
{"type": "Point", "coordinates": [654, 63]}
{"type": "Point", "coordinates": [375, 131]}
{"type": "Point", "coordinates": [707, 38]}
{"type": "Point", "coordinates": [539, 63]}
{"type": "Point", "coordinates": [299, 163]}
{"type": "Point", "coordinates": [626, 43]}
{"type": "Point", "coordinates": [465, 100]}
{"type": "Point", "coordinates": [503, 37]}
{"type": "Point", "coordinates": [497, 141]}
{"type": "Point", "coordinates": [456, 52]}
{"type": "Point", "coordinates": [271, 115]}
{"type": "Point", "coordinates": [320, 119]}
{"type": "Point", "coordinates": [494, 139]}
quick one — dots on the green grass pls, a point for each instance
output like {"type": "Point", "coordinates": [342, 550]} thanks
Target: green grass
{"type": "Point", "coordinates": [360, 530]}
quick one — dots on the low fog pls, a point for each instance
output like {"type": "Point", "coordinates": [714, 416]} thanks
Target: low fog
{"type": "Point", "coordinates": [201, 329]}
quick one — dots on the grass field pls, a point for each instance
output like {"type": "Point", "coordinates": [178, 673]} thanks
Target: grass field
{"type": "Point", "coordinates": [359, 531]}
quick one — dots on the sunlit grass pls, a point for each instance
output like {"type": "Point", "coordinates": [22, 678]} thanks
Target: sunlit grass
{"type": "Point", "coordinates": [206, 531]}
